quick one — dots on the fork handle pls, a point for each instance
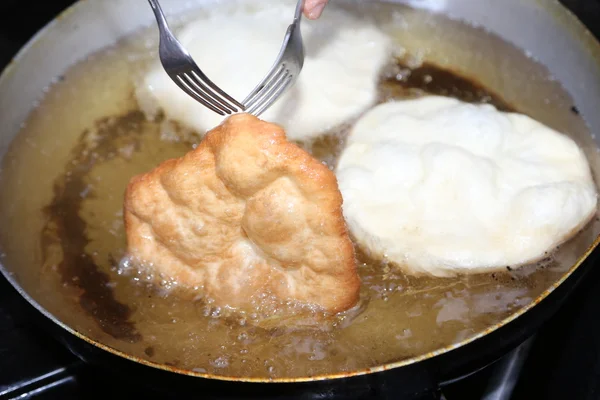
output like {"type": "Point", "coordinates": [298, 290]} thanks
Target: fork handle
{"type": "Point", "coordinates": [160, 16]}
{"type": "Point", "coordinates": [299, 9]}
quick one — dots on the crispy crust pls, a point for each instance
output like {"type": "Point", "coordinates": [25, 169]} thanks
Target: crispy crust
{"type": "Point", "coordinates": [245, 213]}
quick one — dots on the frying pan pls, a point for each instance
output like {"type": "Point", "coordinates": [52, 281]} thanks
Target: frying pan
{"type": "Point", "coordinates": [547, 31]}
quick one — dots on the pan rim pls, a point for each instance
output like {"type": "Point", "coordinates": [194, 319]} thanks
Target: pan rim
{"type": "Point", "coordinates": [577, 27]}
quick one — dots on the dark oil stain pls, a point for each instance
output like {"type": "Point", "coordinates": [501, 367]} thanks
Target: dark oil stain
{"type": "Point", "coordinates": [149, 351]}
{"type": "Point", "coordinates": [66, 228]}
{"type": "Point", "coordinates": [435, 80]}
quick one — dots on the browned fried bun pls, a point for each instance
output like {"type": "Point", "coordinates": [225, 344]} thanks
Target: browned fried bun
{"type": "Point", "coordinates": [245, 213]}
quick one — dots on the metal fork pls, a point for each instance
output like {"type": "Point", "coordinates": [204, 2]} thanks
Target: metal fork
{"type": "Point", "coordinates": [284, 71]}
{"type": "Point", "coordinates": [182, 69]}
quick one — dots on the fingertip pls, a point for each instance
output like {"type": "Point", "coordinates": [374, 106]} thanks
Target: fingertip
{"type": "Point", "coordinates": [315, 11]}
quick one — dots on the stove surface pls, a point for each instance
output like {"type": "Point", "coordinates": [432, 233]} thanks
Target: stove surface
{"type": "Point", "coordinates": [562, 361]}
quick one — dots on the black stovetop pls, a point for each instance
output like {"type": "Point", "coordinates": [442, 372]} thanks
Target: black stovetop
{"type": "Point", "coordinates": [562, 361]}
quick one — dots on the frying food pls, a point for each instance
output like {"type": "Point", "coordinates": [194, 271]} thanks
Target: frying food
{"type": "Point", "coordinates": [344, 56]}
{"type": "Point", "coordinates": [246, 213]}
{"type": "Point", "coordinates": [441, 187]}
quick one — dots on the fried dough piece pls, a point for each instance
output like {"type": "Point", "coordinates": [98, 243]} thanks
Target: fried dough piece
{"type": "Point", "coordinates": [442, 187]}
{"type": "Point", "coordinates": [245, 213]}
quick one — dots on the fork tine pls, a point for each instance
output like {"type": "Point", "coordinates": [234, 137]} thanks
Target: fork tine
{"type": "Point", "coordinates": [268, 85]}
{"type": "Point", "coordinates": [196, 82]}
{"type": "Point", "coordinates": [185, 87]}
{"type": "Point", "coordinates": [197, 71]}
{"type": "Point", "coordinates": [269, 89]}
{"type": "Point", "coordinates": [271, 96]}
{"type": "Point", "coordinates": [176, 59]}
{"type": "Point", "coordinates": [262, 84]}
{"type": "Point", "coordinates": [200, 89]}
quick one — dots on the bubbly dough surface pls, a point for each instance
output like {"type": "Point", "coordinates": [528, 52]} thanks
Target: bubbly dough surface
{"type": "Point", "coordinates": [236, 44]}
{"type": "Point", "coordinates": [441, 187]}
{"type": "Point", "coordinates": [244, 214]}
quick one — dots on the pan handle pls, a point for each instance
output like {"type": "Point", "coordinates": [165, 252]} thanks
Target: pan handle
{"type": "Point", "coordinates": [40, 384]}
{"type": "Point", "coordinates": [505, 374]}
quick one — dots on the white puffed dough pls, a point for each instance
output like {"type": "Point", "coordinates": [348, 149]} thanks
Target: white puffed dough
{"type": "Point", "coordinates": [441, 187]}
{"type": "Point", "coordinates": [236, 46]}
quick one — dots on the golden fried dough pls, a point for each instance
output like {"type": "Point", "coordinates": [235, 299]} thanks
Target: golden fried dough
{"type": "Point", "coordinates": [244, 214]}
